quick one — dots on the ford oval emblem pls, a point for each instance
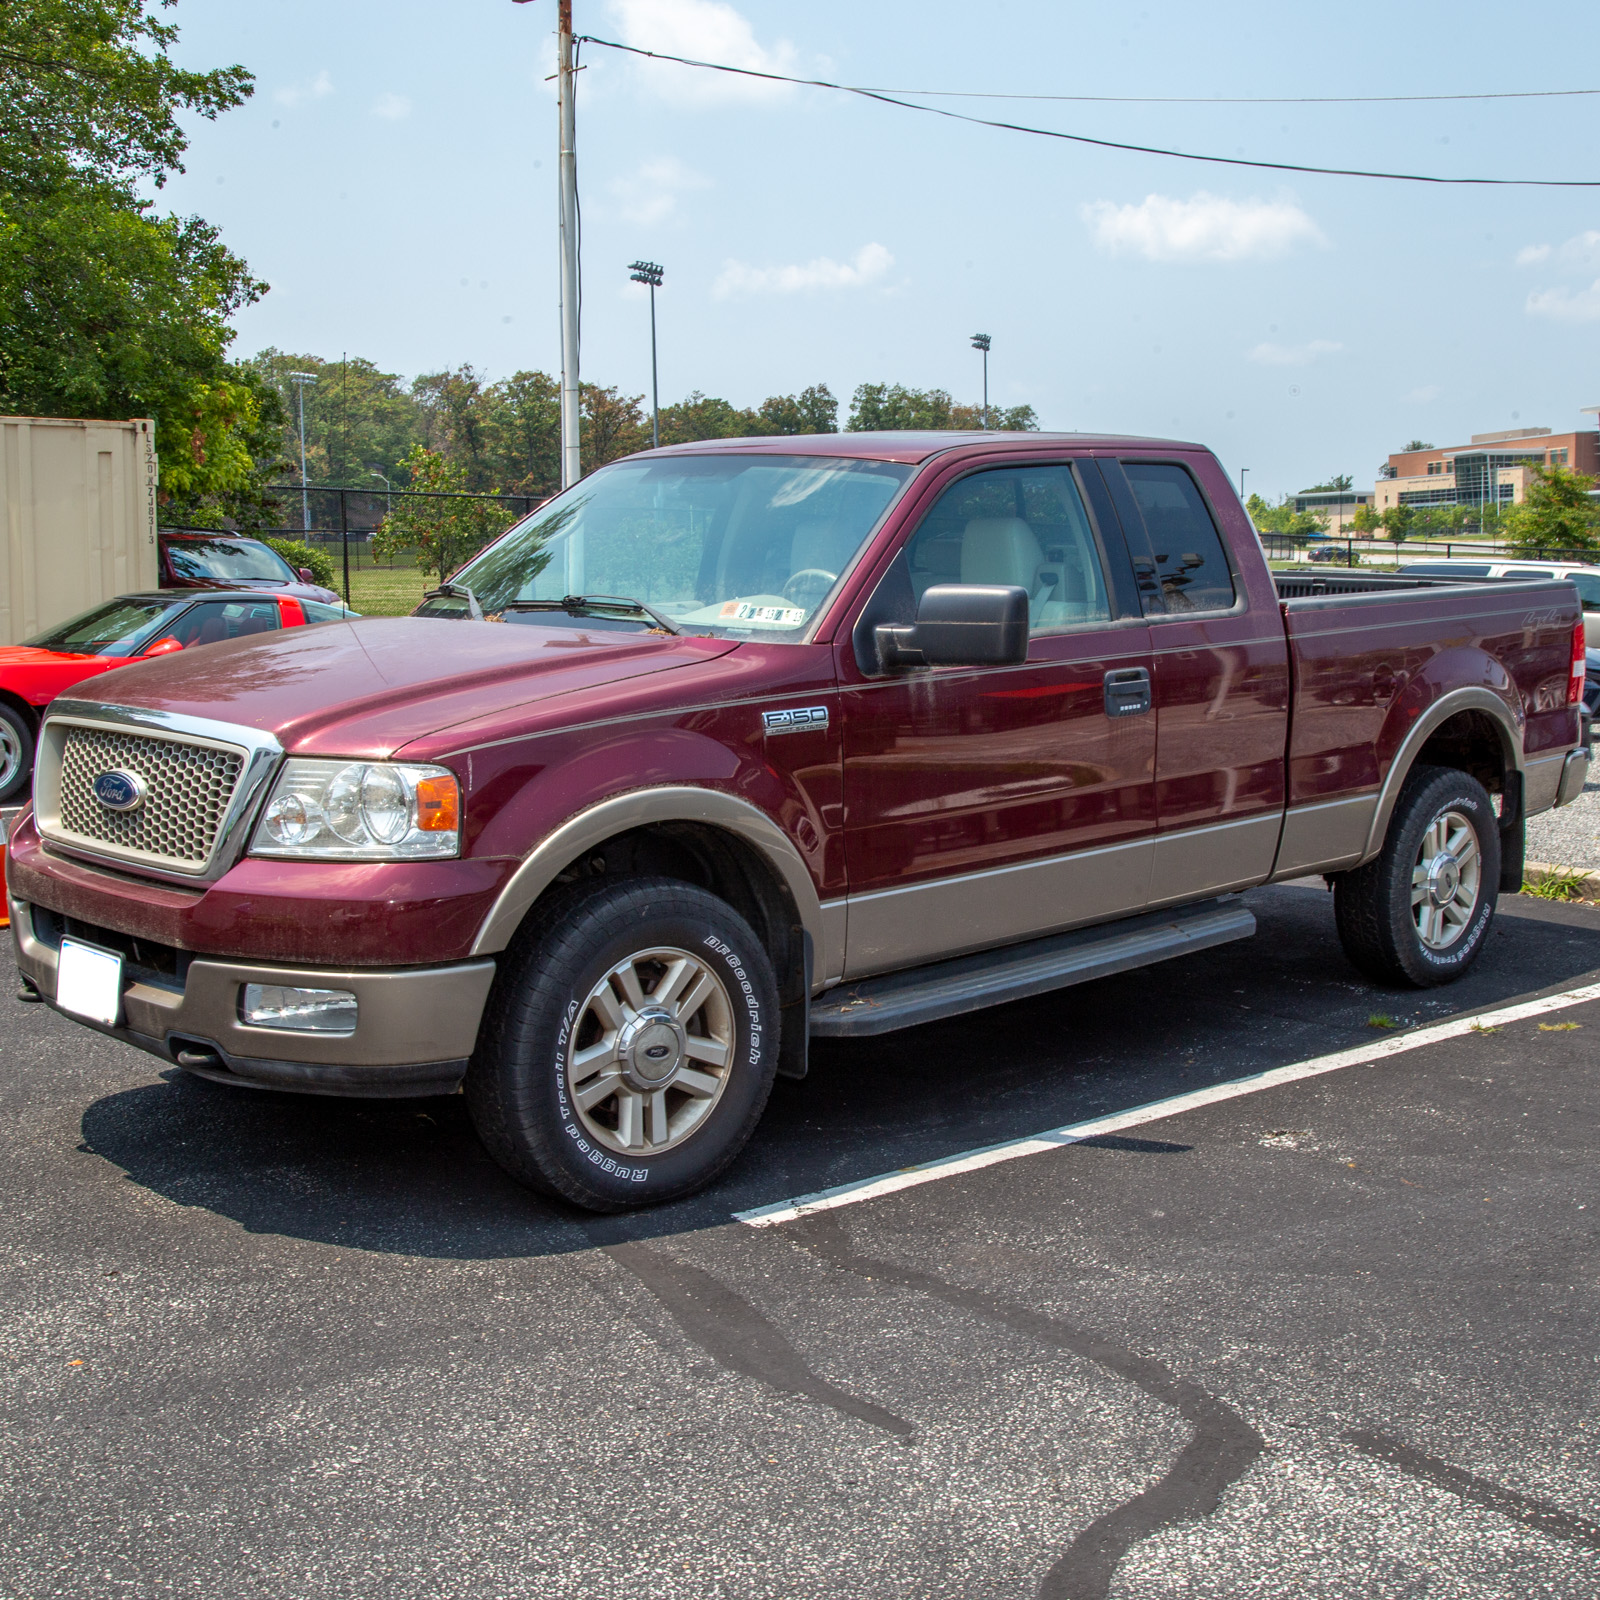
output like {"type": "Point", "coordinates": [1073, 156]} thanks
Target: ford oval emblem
{"type": "Point", "coordinates": [120, 791]}
{"type": "Point", "coordinates": [658, 1052]}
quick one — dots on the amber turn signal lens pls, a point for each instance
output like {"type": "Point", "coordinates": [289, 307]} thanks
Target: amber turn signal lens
{"type": "Point", "coordinates": [438, 805]}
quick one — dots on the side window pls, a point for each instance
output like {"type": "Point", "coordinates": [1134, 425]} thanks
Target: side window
{"type": "Point", "coordinates": [1021, 526]}
{"type": "Point", "coordinates": [225, 619]}
{"type": "Point", "coordinates": [1191, 565]}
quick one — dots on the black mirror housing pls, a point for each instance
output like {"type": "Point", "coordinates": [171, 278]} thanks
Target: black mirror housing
{"type": "Point", "coordinates": [961, 625]}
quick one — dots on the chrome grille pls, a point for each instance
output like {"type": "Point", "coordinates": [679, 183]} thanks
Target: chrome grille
{"type": "Point", "coordinates": [188, 787]}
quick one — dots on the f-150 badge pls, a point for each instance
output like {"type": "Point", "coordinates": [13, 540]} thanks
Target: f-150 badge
{"type": "Point", "coordinates": [804, 720]}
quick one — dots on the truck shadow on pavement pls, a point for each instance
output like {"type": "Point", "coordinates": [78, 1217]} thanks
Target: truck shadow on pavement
{"type": "Point", "coordinates": [409, 1177]}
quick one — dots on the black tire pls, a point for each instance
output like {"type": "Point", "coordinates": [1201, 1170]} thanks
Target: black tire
{"type": "Point", "coordinates": [1378, 923]}
{"type": "Point", "coordinates": [542, 1016]}
{"type": "Point", "coordinates": [16, 754]}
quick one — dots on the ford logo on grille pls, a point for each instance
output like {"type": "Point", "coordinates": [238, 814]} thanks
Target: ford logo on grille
{"type": "Point", "coordinates": [120, 791]}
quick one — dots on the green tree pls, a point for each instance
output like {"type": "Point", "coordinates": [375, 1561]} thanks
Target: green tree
{"type": "Point", "coordinates": [1397, 521]}
{"type": "Point", "coordinates": [611, 424]}
{"type": "Point", "coordinates": [813, 410]}
{"type": "Point", "coordinates": [524, 433]}
{"type": "Point", "coordinates": [312, 557]}
{"type": "Point", "coordinates": [107, 309]}
{"type": "Point", "coordinates": [1557, 513]}
{"type": "Point", "coordinates": [891, 407]}
{"type": "Point", "coordinates": [455, 408]}
{"type": "Point", "coordinates": [1366, 521]}
{"type": "Point", "coordinates": [704, 416]}
{"type": "Point", "coordinates": [1282, 518]}
{"type": "Point", "coordinates": [445, 532]}
{"type": "Point", "coordinates": [1338, 485]}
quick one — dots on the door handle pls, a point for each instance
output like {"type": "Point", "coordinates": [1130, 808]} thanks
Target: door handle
{"type": "Point", "coordinates": [1127, 692]}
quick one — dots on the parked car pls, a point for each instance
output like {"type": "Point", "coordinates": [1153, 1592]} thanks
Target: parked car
{"type": "Point", "coordinates": [1585, 577]}
{"type": "Point", "coordinates": [743, 742]}
{"type": "Point", "coordinates": [231, 561]}
{"type": "Point", "coordinates": [133, 627]}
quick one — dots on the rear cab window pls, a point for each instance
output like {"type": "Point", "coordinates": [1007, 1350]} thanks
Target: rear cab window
{"type": "Point", "coordinates": [1180, 560]}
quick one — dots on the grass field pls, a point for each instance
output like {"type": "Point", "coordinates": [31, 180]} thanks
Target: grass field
{"type": "Point", "coordinates": [388, 592]}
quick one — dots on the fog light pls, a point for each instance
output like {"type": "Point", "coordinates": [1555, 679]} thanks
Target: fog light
{"type": "Point", "coordinates": [272, 1005]}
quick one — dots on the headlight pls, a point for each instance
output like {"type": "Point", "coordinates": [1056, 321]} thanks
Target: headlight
{"type": "Point", "coordinates": [361, 811]}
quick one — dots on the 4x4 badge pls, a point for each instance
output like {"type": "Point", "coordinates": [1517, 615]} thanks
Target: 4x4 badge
{"type": "Point", "coordinates": [804, 720]}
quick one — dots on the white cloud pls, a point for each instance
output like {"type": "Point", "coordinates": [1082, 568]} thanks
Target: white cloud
{"type": "Point", "coordinates": [391, 107]}
{"type": "Point", "coordinates": [651, 194]}
{"type": "Point", "coordinates": [1565, 305]}
{"type": "Point", "coordinates": [703, 30]}
{"type": "Point", "coordinates": [1293, 355]}
{"type": "Point", "coordinates": [297, 93]}
{"type": "Point", "coordinates": [870, 263]}
{"type": "Point", "coordinates": [1206, 227]}
{"type": "Point", "coordinates": [1581, 250]}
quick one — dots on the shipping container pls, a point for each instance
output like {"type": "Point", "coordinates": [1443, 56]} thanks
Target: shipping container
{"type": "Point", "coordinates": [80, 517]}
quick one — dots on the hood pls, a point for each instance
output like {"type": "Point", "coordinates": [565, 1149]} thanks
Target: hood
{"type": "Point", "coordinates": [25, 655]}
{"type": "Point", "coordinates": [367, 687]}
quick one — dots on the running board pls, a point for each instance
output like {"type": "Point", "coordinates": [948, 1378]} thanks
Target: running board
{"type": "Point", "coordinates": [969, 983]}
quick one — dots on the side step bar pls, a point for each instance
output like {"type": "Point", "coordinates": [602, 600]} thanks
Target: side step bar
{"type": "Point", "coordinates": [969, 983]}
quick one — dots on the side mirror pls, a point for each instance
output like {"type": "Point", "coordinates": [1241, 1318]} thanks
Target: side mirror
{"type": "Point", "coordinates": [165, 647]}
{"type": "Point", "coordinates": [307, 575]}
{"type": "Point", "coordinates": [960, 625]}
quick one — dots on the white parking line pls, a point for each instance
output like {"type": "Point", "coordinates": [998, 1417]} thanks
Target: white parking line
{"type": "Point", "coordinates": [849, 1194]}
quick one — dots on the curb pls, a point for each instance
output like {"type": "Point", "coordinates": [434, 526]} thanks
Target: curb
{"type": "Point", "coordinates": [1538, 870]}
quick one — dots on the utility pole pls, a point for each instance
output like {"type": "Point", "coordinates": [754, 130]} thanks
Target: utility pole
{"type": "Point", "coordinates": [981, 341]}
{"type": "Point", "coordinates": [570, 393]}
{"type": "Point", "coordinates": [1242, 471]}
{"type": "Point", "coordinates": [649, 272]}
{"type": "Point", "coordinates": [300, 380]}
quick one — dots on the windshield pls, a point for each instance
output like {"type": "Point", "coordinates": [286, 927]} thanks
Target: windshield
{"type": "Point", "coordinates": [117, 628]}
{"type": "Point", "coordinates": [227, 561]}
{"type": "Point", "coordinates": [737, 546]}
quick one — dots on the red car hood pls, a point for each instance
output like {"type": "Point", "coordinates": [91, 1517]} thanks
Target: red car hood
{"type": "Point", "coordinates": [366, 688]}
{"type": "Point", "coordinates": [24, 655]}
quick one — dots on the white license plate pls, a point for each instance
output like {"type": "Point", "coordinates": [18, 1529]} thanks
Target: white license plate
{"type": "Point", "coordinates": [89, 982]}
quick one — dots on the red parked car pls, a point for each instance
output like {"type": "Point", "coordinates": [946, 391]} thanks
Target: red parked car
{"type": "Point", "coordinates": [133, 627]}
{"type": "Point", "coordinates": [231, 561]}
{"type": "Point", "coordinates": [739, 743]}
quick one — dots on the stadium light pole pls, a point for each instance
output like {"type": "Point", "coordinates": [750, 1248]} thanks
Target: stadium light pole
{"type": "Point", "coordinates": [649, 272]}
{"type": "Point", "coordinates": [1242, 471]}
{"type": "Point", "coordinates": [300, 380]}
{"type": "Point", "coordinates": [981, 341]}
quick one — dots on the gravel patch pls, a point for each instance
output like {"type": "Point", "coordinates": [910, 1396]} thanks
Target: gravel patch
{"type": "Point", "coordinates": [1569, 837]}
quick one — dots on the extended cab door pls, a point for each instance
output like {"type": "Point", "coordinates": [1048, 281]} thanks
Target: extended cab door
{"type": "Point", "coordinates": [985, 805]}
{"type": "Point", "coordinates": [1221, 676]}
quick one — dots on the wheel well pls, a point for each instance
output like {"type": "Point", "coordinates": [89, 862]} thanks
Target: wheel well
{"type": "Point", "coordinates": [30, 714]}
{"type": "Point", "coordinates": [1470, 742]}
{"type": "Point", "coordinates": [719, 862]}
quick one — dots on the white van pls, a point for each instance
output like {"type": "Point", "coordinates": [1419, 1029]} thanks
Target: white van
{"type": "Point", "coordinates": [1587, 578]}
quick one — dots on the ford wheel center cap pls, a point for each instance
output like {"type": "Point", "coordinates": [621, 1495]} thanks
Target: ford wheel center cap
{"type": "Point", "coordinates": [118, 790]}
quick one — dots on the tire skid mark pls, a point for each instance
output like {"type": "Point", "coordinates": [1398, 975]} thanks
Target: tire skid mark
{"type": "Point", "coordinates": [1540, 1514]}
{"type": "Point", "coordinates": [1222, 1450]}
{"type": "Point", "coordinates": [739, 1338]}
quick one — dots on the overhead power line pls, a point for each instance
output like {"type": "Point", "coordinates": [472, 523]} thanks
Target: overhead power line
{"type": "Point", "coordinates": [1083, 138]}
{"type": "Point", "coordinates": [1238, 100]}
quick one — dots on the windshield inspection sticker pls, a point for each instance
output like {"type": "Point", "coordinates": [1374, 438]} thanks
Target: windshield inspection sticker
{"type": "Point", "coordinates": [800, 721]}
{"type": "Point", "coordinates": [743, 611]}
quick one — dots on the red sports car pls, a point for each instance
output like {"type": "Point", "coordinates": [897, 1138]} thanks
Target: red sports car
{"type": "Point", "coordinates": [132, 627]}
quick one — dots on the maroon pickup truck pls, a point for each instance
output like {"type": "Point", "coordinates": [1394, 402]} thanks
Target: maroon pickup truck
{"type": "Point", "coordinates": [741, 743]}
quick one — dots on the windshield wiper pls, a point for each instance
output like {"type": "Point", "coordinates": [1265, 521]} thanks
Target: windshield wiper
{"type": "Point", "coordinates": [457, 591]}
{"type": "Point", "coordinates": [576, 605]}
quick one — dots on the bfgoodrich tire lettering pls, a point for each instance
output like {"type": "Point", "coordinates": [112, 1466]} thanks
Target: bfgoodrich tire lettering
{"type": "Point", "coordinates": [628, 1046]}
{"type": "Point", "coordinates": [1418, 914]}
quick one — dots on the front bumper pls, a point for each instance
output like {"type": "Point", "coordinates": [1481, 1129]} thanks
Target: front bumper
{"type": "Point", "coordinates": [416, 1026]}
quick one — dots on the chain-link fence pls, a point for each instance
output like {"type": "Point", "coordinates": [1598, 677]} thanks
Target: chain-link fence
{"type": "Point", "coordinates": [1297, 548]}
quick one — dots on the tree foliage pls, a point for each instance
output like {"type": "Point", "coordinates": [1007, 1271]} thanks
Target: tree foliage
{"type": "Point", "coordinates": [106, 308]}
{"type": "Point", "coordinates": [442, 532]}
{"type": "Point", "coordinates": [312, 557]}
{"type": "Point", "coordinates": [1283, 519]}
{"type": "Point", "coordinates": [891, 407]}
{"type": "Point", "coordinates": [1556, 514]}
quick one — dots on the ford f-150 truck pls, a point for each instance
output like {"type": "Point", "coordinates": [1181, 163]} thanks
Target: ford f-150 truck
{"type": "Point", "coordinates": [740, 743]}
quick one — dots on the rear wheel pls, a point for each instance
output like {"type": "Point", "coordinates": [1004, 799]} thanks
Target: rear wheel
{"type": "Point", "coordinates": [1418, 914]}
{"type": "Point", "coordinates": [16, 754]}
{"type": "Point", "coordinates": [629, 1044]}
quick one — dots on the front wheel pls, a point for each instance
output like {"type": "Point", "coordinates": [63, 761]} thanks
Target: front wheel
{"type": "Point", "coordinates": [16, 754]}
{"type": "Point", "coordinates": [629, 1044]}
{"type": "Point", "coordinates": [1419, 912]}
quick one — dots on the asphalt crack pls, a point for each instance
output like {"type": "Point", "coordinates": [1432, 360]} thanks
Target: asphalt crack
{"type": "Point", "coordinates": [739, 1338]}
{"type": "Point", "coordinates": [1540, 1514]}
{"type": "Point", "coordinates": [1222, 1450]}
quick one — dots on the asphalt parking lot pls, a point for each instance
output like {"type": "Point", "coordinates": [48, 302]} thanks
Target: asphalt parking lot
{"type": "Point", "coordinates": [1336, 1338]}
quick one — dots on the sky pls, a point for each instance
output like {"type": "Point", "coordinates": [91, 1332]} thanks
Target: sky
{"type": "Point", "coordinates": [393, 180]}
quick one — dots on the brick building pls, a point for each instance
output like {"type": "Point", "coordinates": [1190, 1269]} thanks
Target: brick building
{"type": "Point", "coordinates": [1492, 469]}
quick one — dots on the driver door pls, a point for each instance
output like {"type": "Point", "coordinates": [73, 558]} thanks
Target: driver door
{"type": "Point", "coordinates": [987, 805]}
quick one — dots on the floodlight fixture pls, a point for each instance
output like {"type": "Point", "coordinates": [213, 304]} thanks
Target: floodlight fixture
{"type": "Point", "coordinates": [980, 341]}
{"type": "Point", "coordinates": [650, 273]}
